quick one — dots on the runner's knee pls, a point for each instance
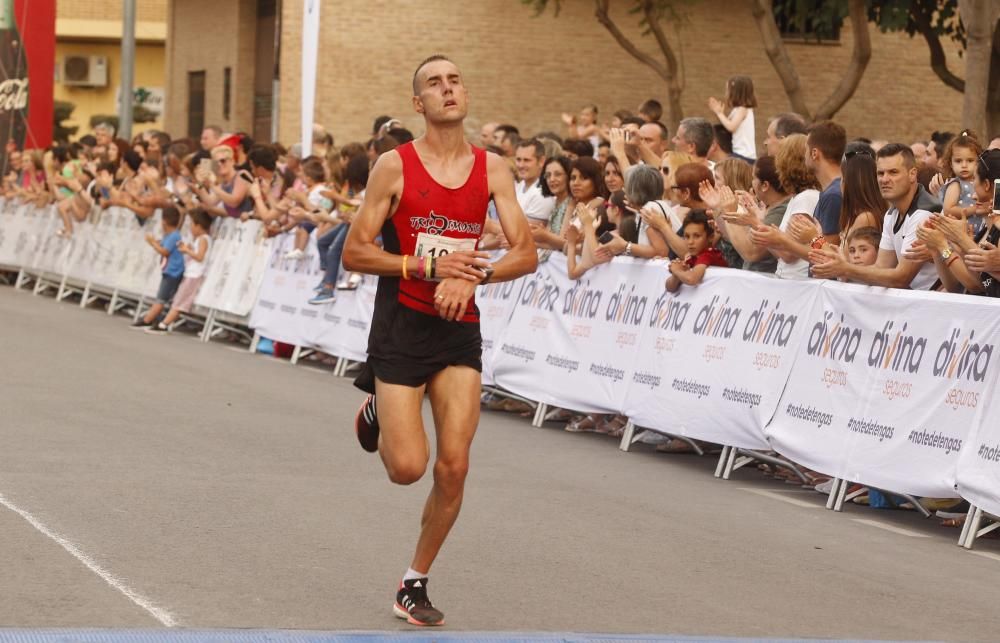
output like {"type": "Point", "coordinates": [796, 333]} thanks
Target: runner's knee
{"type": "Point", "coordinates": [451, 471]}
{"type": "Point", "coordinates": [406, 471]}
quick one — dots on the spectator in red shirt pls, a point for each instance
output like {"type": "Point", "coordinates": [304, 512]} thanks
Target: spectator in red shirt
{"type": "Point", "coordinates": [702, 253]}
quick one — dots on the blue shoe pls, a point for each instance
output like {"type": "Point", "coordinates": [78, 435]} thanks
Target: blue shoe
{"type": "Point", "coordinates": [324, 297]}
{"type": "Point", "coordinates": [318, 288]}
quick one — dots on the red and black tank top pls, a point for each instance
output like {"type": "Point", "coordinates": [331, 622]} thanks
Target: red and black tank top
{"type": "Point", "coordinates": [427, 211]}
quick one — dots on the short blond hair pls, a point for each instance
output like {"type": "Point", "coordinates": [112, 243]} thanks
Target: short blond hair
{"type": "Point", "coordinates": [222, 151]}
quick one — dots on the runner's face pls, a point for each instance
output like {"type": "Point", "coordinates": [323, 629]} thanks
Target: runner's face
{"type": "Point", "coordinates": [442, 95]}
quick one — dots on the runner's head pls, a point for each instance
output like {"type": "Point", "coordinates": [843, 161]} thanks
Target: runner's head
{"type": "Point", "coordinates": [438, 91]}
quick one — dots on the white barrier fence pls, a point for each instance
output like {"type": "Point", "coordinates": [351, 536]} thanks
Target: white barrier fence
{"type": "Point", "coordinates": [886, 388]}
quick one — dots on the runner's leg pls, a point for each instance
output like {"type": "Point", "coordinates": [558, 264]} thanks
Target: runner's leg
{"type": "Point", "coordinates": [454, 394]}
{"type": "Point", "coordinates": [402, 442]}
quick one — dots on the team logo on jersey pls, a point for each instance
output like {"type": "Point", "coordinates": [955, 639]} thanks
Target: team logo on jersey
{"type": "Point", "coordinates": [439, 224]}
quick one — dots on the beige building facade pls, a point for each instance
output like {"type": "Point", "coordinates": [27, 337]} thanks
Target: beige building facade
{"type": "Point", "coordinates": [519, 68]}
{"type": "Point", "coordinates": [89, 33]}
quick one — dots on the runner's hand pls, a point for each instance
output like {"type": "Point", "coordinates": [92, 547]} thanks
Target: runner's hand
{"type": "Point", "coordinates": [452, 297]}
{"type": "Point", "coordinates": [461, 264]}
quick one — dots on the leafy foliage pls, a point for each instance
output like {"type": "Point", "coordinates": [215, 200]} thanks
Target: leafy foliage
{"type": "Point", "coordinates": [62, 110]}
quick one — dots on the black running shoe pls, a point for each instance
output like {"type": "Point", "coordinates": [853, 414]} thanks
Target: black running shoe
{"type": "Point", "coordinates": [141, 324]}
{"type": "Point", "coordinates": [413, 605]}
{"type": "Point", "coordinates": [366, 426]}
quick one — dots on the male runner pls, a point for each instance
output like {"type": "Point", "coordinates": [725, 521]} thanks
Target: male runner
{"type": "Point", "coordinates": [428, 200]}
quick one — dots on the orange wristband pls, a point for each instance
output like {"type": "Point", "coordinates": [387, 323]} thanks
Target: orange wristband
{"type": "Point", "coordinates": [405, 274]}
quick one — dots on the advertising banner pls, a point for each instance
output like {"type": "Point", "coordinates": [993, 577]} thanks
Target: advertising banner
{"type": "Point", "coordinates": [887, 385]}
{"type": "Point", "coordinates": [715, 357]}
{"type": "Point", "coordinates": [572, 344]}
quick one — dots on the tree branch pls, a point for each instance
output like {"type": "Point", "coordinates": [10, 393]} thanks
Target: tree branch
{"type": "Point", "coordinates": [648, 11]}
{"type": "Point", "coordinates": [938, 61]}
{"type": "Point", "coordinates": [602, 17]}
{"type": "Point", "coordinates": [861, 54]}
{"type": "Point", "coordinates": [763, 13]}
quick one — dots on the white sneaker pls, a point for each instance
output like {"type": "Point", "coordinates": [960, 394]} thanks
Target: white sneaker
{"type": "Point", "coordinates": [295, 255]}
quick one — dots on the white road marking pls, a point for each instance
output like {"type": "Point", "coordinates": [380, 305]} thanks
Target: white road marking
{"type": "Point", "coordinates": [894, 529]}
{"type": "Point", "coordinates": [160, 614]}
{"type": "Point", "coordinates": [775, 495]}
{"type": "Point", "coordinates": [985, 554]}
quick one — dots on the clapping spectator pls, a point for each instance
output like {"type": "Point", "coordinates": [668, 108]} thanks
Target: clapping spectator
{"type": "Point", "coordinates": [740, 102]}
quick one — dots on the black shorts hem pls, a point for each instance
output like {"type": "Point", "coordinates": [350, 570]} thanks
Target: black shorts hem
{"type": "Point", "coordinates": [408, 372]}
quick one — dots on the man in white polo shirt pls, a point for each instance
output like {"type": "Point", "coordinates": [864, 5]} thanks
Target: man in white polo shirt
{"type": "Point", "coordinates": [529, 159]}
{"type": "Point", "coordinates": [909, 206]}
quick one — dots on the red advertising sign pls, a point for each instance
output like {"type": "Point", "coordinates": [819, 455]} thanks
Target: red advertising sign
{"type": "Point", "coordinates": [27, 65]}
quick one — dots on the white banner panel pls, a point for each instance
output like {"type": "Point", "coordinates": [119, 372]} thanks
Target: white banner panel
{"type": "Point", "coordinates": [979, 461]}
{"type": "Point", "coordinates": [496, 304]}
{"type": "Point", "coordinates": [283, 312]}
{"type": "Point", "coordinates": [887, 385]}
{"type": "Point", "coordinates": [235, 266]}
{"type": "Point", "coordinates": [714, 358]}
{"type": "Point", "coordinates": [572, 344]}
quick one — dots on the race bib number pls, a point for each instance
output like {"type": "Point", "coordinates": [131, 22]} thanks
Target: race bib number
{"type": "Point", "coordinates": [433, 245]}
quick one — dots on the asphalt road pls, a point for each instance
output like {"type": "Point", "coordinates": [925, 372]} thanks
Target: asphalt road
{"type": "Point", "coordinates": [146, 480]}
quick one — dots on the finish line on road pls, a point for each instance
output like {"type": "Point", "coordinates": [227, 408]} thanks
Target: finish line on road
{"type": "Point", "coordinates": [293, 636]}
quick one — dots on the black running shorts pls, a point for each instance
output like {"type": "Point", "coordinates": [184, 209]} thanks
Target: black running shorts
{"type": "Point", "coordinates": [409, 347]}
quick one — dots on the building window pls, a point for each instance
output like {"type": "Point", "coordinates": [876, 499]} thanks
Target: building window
{"type": "Point", "coordinates": [807, 21]}
{"type": "Point", "coordinates": [196, 103]}
{"type": "Point", "coordinates": [227, 91]}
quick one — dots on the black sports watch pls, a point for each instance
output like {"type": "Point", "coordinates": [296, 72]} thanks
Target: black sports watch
{"type": "Point", "coordinates": [488, 272]}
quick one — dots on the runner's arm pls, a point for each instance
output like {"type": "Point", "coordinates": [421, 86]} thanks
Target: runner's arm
{"type": "Point", "coordinates": [522, 257]}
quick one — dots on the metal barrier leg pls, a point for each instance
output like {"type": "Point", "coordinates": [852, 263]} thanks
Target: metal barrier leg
{"type": "Point", "coordinates": [22, 279]}
{"type": "Point", "coordinates": [831, 499]}
{"type": "Point", "coordinates": [539, 418]}
{"type": "Point", "coordinates": [916, 505]}
{"type": "Point", "coordinates": [206, 328]}
{"type": "Point", "coordinates": [39, 285]}
{"type": "Point", "coordinates": [723, 457]}
{"type": "Point", "coordinates": [254, 342]}
{"type": "Point", "coordinates": [61, 294]}
{"type": "Point", "coordinates": [138, 309]}
{"type": "Point", "coordinates": [839, 505]}
{"type": "Point", "coordinates": [113, 304]}
{"type": "Point", "coordinates": [970, 536]}
{"type": "Point", "coordinates": [627, 435]}
{"type": "Point", "coordinates": [965, 526]}
{"type": "Point", "coordinates": [730, 460]}
{"type": "Point", "coordinates": [295, 354]}
{"type": "Point", "coordinates": [86, 295]}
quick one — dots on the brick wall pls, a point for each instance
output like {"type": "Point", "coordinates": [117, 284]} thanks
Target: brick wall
{"type": "Point", "coordinates": [527, 70]}
{"type": "Point", "coordinates": [146, 10]}
{"type": "Point", "coordinates": [211, 36]}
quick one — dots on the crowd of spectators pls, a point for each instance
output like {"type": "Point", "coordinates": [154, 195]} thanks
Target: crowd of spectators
{"type": "Point", "coordinates": [813, 202]}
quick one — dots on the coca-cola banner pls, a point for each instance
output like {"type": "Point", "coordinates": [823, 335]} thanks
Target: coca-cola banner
{"type": "Point", "coordinates": [27, 62]}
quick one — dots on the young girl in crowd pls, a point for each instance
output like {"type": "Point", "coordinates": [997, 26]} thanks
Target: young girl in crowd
{"type": "Point", "coordinates": [195, 252]}
{"type": "Point", "coordinates": [698, 235]}
{"type": "Point", "coordinates": [583, 126]}
{"type": "Point", "coordinates": [740, 101]}
{"type": "Point", "coordinates": [958, 192]}
{"type": "Point", "coordinates": [312, 199]}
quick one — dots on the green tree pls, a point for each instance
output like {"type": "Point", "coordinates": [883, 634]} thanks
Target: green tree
{"type": "Point", "coordinates": [61, 111]}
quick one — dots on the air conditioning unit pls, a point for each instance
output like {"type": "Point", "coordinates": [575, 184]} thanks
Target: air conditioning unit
{"type": "Point", "coordinates": [85, 71]}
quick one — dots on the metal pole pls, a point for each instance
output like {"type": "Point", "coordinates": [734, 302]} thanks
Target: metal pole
{"type": "Point", "coordinates": [128, 70]}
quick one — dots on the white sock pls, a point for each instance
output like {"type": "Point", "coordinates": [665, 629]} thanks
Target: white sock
{"type": "Point", "coordinates": [412, 574]}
